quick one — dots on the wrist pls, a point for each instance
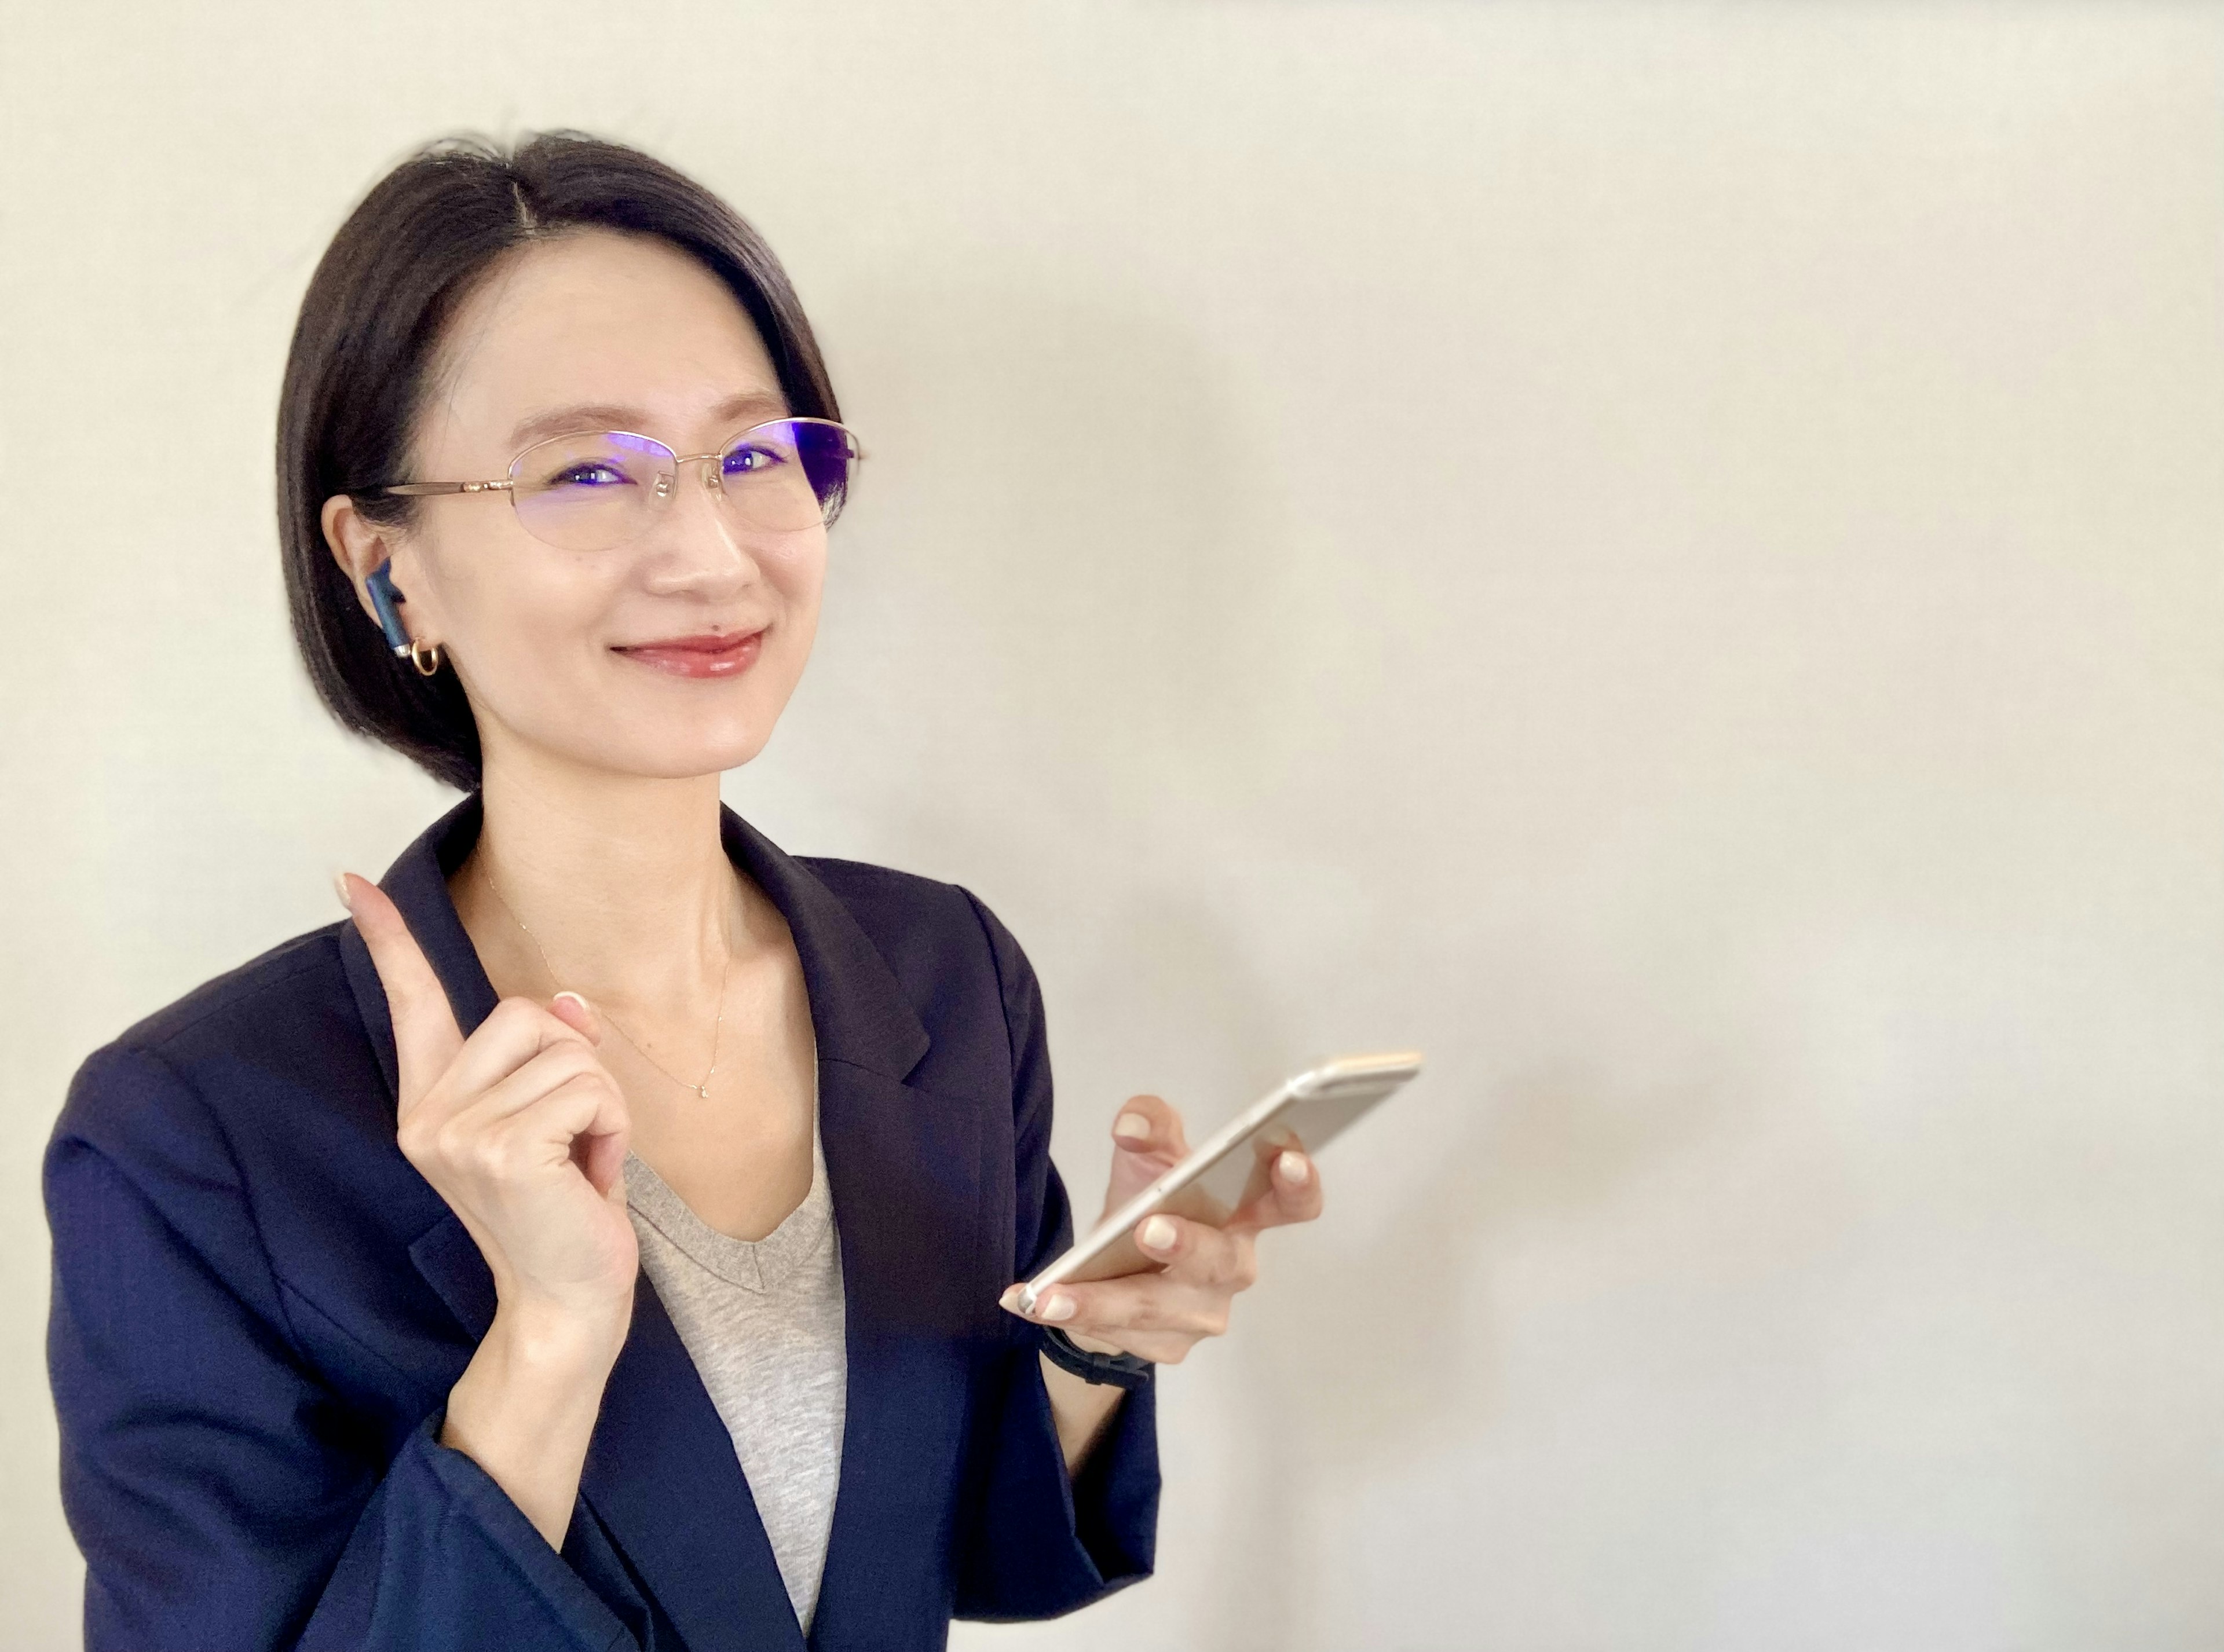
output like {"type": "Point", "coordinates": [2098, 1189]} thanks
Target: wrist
{"type": "Point", "coordinates": [1111, 1367]}
{"type": "Point", "coordinates": [538, 1335]}
{"type": "Point", "coordinates": [1089, 1344]}
{"type": "Point", "coordinates": [525, 1407]}
{"type": "Point", "coordinates": [537, 1368]}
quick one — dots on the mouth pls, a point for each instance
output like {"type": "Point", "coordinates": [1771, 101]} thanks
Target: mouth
{"type": "Point", "coordinates": [710, 654]}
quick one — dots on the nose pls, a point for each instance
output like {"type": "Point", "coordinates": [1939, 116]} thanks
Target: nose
{"type": "Point", "coordinates": [700, 549]}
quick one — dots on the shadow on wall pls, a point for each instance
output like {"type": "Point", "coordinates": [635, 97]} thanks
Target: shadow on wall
{"type": "Point", "coordinates": [1370, 1348]}
{"type": "Point", "coordinates": [1082, 632]}
{"type": "Point", "coordinates": [1068, 574]}
{"type": "Point", "coordinates": [1373, 1348]}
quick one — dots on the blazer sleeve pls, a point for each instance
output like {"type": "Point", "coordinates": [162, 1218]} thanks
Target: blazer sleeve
{"type": "Point", "coordinates": [224, 1496]}
{"type": "Point", "coordinates": [1043, 1542]}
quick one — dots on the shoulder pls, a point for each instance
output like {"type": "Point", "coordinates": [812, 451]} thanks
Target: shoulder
{"type": "Point", "coordinates": [251, 1123]}
{"type": "Point", "coordinates": [919, 921]}
{"type": "Point", "coordinates": [278, 1014]}
{"type": "Point", "coordinates": [145, 1162]}
{"type": "Point", "coordinates": [220, 1008]}
{"type": "Point", "coordinates": [883, 892]}
{"type": "Point", "coordinates": [955, 963]}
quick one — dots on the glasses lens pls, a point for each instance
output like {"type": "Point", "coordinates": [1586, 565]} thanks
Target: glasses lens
{"type": "Point", "coordinates": [591, 492]}
{"type": "Point", "coordinates": [791, 474]}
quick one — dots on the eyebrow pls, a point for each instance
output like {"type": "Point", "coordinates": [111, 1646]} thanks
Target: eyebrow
{"type": "Point", "coordinates": [608, 415]}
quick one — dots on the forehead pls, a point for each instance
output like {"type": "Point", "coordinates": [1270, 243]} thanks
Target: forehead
{"type": "Point", "coordinates": [591, 317]}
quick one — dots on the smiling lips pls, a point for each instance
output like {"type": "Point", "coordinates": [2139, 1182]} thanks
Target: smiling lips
{"type": "Point", "coordinates": [703, 656]}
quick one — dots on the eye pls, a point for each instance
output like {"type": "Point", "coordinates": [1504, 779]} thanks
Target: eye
{"type": "Point", "coordinates": [589, 473]}
{"type": "Point", "coordinates": [752, 458]}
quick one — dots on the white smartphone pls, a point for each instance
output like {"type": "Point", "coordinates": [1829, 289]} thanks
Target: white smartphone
{"type": "Point", "coordinates": [1234, 1164]}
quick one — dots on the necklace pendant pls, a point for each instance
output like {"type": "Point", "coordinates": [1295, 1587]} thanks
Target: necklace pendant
{"type": "Point", "coordinates": [703, 1090]}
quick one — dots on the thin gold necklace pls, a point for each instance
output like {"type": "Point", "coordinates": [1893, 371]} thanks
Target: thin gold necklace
{"type": "Point", "coordinates": [703, 1090]}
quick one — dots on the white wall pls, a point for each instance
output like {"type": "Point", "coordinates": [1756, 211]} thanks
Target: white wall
{"type": "Point", "coordinates": [1667, 554]}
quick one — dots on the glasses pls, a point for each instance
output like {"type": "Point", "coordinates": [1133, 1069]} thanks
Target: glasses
{"type": "Point", "coordinates": [599, 491]}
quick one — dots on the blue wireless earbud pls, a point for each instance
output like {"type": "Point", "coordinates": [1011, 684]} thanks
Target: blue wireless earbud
{"type": "Point", "coordinates": [383, 596]}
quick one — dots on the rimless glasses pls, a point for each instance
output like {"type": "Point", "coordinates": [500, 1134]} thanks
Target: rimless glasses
{"type": "Point", "coordinates": [598, 491]}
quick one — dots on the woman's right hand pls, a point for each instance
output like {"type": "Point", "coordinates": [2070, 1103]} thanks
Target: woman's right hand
{"type": "Point", "coordinates": [519, 1127]}
{"type": "Point", "coordinates": [523, 1132]}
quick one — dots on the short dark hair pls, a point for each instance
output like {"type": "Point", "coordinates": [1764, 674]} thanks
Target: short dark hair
{"type": "Point", "coordinates": [364, 345]}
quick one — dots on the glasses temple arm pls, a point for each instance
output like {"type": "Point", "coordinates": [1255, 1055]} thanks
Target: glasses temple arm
{"type": "Point", "coordinates": [424, 489]}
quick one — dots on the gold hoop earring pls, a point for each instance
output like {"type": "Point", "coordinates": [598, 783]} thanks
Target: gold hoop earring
{"type": "Point", "coordinates": [425, 657]}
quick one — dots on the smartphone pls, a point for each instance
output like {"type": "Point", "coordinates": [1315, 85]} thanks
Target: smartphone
{"type": "Point", "coordinates": [1235, 1165]}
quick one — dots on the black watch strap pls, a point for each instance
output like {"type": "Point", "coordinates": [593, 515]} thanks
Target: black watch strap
{"type": "Point", "coordinates": [1120, 1370]}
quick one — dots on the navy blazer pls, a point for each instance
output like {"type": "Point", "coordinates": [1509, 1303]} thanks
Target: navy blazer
{"type": "Point", "coordinates": [259, 1307]}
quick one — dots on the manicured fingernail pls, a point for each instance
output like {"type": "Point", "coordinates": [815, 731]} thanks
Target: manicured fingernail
{"type": "Point", "coordinates": [1131, 1126]}
{"type": "Point", "coordinates": [1010, 1298]}
{"type": "Point", "coordinates": [339, 885]}
{"type": "Point", "coordinates": [1055, 1306]}
{"type": "Point", "coordinates": [593, 1030]}
{"type": "Point", "coordinates": [1157, 1233]}
{"type": "Point", "coordinates": [1294, 1169]}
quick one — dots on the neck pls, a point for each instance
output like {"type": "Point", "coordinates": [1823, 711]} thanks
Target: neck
{"type": "Point", "coordinates": [622, 881]}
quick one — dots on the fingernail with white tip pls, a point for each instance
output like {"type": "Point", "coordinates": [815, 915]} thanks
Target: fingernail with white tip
{"type": "Point", "coordinates": [1157, 1233]}
{"type": "Point", "coordinates": [1131, 1126]}
{"type": "Point", "coordinates": [1055, 1306]}
{"type": "Point", "coordinates": [340, 888]}
{"type": "Point", "coordinates": [1294, 1169]}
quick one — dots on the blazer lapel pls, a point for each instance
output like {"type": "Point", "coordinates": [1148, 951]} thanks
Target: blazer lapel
{"type": "Point", "coordinates": [910, 1191]}
{"type": "Point", "coordinates": [662, 1477]}
{"type": "Point", "coordinates": [445, 1254]}
{"type": "Point", "coordinates": [417, 882]}
{"type": "Point", "coordinates": [905, 1169]}
{"type": "Point", "coordinates": [660, 1474]}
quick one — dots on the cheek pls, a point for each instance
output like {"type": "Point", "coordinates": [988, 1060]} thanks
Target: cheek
{"type": "Point", "coordinates": [798, 582]}
{"type": "Point", "coordinates": [530, 626]}
{"type": "Point", "coordinates": [523, 620]}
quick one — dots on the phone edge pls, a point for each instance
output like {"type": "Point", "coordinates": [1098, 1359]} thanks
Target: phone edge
{"type": "Point", "coordinates": [1203, 1158]}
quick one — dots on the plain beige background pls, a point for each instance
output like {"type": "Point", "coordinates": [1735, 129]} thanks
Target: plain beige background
{"type": "Point", "coordinates": [1667, 554]}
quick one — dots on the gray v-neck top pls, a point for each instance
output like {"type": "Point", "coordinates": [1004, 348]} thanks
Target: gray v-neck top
{"type": "Point", "coordinates": [763, 1321]}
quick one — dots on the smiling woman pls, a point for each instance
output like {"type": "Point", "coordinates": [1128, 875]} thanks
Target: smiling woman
{"type": "Point", "coordinates": [487, 320]}
{"type": "Point", "coordinates": [606, 1237]}
{"type": "Point", "coordinates": [547, 611]}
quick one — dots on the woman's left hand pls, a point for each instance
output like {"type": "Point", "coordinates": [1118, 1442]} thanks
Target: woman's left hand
{"type": "Point", "coordinates": [1162, 1313]}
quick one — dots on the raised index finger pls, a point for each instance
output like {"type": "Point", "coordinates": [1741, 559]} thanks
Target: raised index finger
{"type": "Point", "coordinates": [426, 1035]}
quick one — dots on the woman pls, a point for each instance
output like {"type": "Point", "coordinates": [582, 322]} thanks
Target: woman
{"type": "Point", "coordinates": [604, 1238]}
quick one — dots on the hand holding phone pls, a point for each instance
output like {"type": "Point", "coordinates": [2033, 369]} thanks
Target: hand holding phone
{"type": "Point", "coordinates": [1235, 1166]}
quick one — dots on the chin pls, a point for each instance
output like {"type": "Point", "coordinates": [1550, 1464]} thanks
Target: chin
{"type": "Point", "coordinates": [673, 755]}
{"type": "Point", "coordinates": [672, 746]}
{"type": "Point", "coordinates": [654, 734]}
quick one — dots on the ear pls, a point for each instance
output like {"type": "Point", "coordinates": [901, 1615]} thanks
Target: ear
{"type": "Point", "coordinates": [360, 545]}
